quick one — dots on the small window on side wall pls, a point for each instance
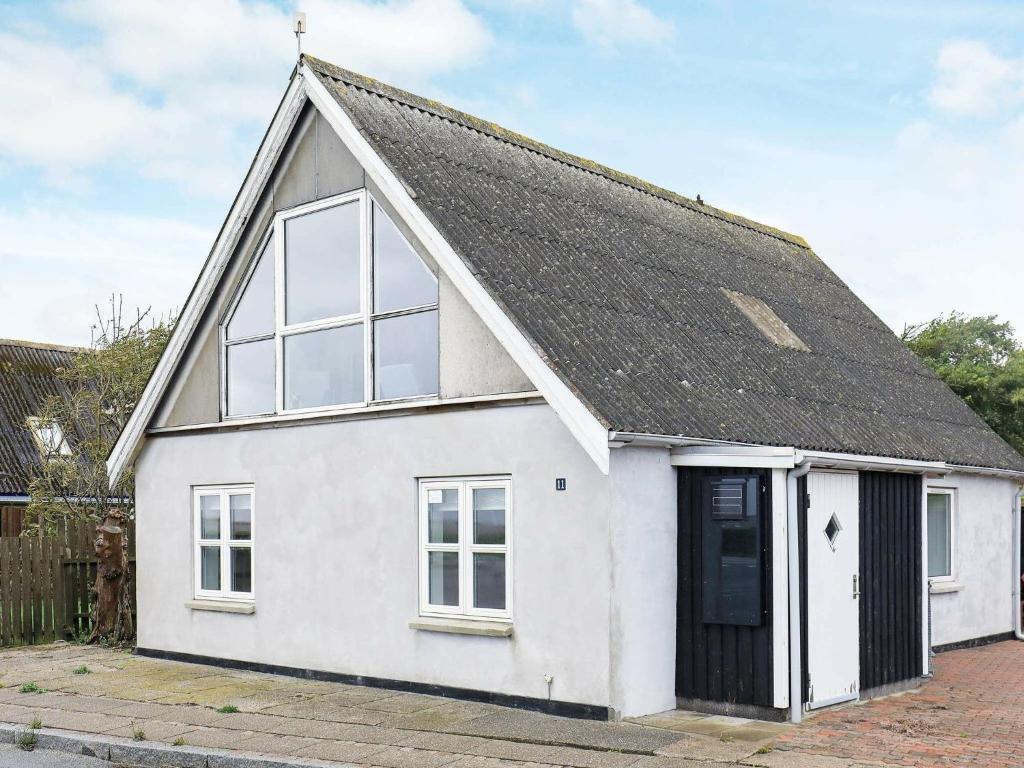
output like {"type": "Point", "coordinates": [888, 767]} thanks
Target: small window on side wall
{"type": "Point", "coordinates": [465, 548]}
{"type": "Point", "coordinates": [940, 534]}
{"type": "Point", "coordinates": [223, 531]}
{"type": "Point", "coordinates": [732, 551]}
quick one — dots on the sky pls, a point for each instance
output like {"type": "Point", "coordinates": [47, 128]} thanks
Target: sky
{"type": "Point", "coordinates": [890, 135]}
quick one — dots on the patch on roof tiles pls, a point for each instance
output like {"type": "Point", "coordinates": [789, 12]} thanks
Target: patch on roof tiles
{"type": "Point", "coordinates": [766, 321]}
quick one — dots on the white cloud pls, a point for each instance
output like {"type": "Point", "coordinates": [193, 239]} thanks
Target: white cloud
{"type": "Point", "coordinates": [77, 118]}
{"type": "Point", "coordinates": [178, 91]}
{"type": "Point", "coordinates": [611, 23]}
{"type": "Point", "coordinates": [972, 80]}
{"type": "Point", "coordinates": [917, 228]}
{"type": "Point", "coordinates": [59, 263]}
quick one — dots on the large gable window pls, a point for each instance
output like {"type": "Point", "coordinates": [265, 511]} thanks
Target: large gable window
{"type": "Point", "coordinates": [338, 310]}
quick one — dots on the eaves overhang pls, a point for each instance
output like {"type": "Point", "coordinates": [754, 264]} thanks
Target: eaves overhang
{"type": "Point", "coordinates": [704, 452]}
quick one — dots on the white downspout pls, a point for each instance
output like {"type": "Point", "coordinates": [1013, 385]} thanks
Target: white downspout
{"type": "Point", "coordinates": [1017, 629]}
{"type": "Point", "coordinates": [796, 707]}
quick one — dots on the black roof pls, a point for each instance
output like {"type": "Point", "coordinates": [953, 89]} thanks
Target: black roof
{"type": "Point", "coordinates": [28, 375]}
{"type": "Point", "coordinates": [620, 286]}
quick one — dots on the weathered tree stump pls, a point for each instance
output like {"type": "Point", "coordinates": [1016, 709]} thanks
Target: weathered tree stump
{"type": "Point", "coordinates": [112, 610]}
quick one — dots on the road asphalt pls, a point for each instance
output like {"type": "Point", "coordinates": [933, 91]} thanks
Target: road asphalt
{"type": "Point", "coordinates": [15, 757]}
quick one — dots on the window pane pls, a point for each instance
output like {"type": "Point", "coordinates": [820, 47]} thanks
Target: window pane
{"type": "Point", "coordinates": [241, 569]}
{"type": "Point", "coordinates": [443, 570]}
{"type": "Point", "coordinates": [210, 565]}
{"type": "Point", "coordinates": [731, 568]}
{"type": "Point", "coordinates": [489, 580]}
{"type": "Point", "coordinates": [324, 367]}
{"type": "Point", "coordinates": [209, 517]}
{"type": "Point", "coordinates": [489, 515]}
{"type": "Point", "coordinates": [254, 313]}
{"type": "Point", "coordinates": [443, 516]}
{"type": "Point", "coordinates": [405, 355]}
{"type": "Point", "coordinates": [241, 516]}
{"type": "Point", "coordinates": [400, 278]}
{"type": "Point", "coordinates": [251, 378]}
{"type": "Point", "coordinates": [322, 264]}
{"type": "Point", "coordinates": [939, 539]}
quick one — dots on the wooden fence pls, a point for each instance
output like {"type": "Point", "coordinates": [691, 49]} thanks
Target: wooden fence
{"type": "Point", "coordinates": [45, 584]}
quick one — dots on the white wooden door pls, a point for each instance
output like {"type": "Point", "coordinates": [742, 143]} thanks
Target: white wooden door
{"type": "Point", "coordinates": [833, 588]}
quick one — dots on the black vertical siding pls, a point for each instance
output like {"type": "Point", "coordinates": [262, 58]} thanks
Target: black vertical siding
{"type": "Point", "coordinates": [890, 572]}
{"type": "Point", "coordinates": [719, 662]}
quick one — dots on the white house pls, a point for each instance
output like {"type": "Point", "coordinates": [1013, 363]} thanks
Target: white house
{"type": "Point", "coordinates": [451, 410]}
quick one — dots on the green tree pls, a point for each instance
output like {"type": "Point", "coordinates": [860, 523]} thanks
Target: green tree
{"type": "Point", "coordinates": [100, 389]}
{"type": "Point", "coordinates": [982, 361]}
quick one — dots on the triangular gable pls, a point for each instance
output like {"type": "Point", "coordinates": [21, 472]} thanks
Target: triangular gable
{"type": "Point", "coordinates": [305, 88]}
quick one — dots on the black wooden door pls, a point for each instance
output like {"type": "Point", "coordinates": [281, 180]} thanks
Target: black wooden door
{"type": "Point", "coordinates": [718, 661]}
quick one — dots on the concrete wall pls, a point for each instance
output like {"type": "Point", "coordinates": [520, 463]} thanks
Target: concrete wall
{"type": "Point", "coordinates": [336, 550]}
{"type": "Point", "coordinates": [314, 165]}
{"type": "Point", "coordinates": [982, 561]}
{"type": "Point", "coordinates": [643, 530]}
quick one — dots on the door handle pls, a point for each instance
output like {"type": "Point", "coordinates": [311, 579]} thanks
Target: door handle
{"type": "Point", "coordinates": [856, 586]}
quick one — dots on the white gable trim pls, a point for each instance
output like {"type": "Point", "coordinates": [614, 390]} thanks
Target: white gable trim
{"type": "Point", "coordinates": [588, 431]}
{"type": "Point", "coordinates": [227, 240]}
{"type": "Point", "coordinates": [584, 426]}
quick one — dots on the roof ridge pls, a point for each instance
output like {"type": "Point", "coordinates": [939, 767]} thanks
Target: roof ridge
{"type": "Point", "coordinates": [40, 345]}
{"type": "Point", "coordinates": [501, 133]}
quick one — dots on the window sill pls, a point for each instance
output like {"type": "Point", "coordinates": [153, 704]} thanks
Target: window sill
{"type": "Point", "coordinates": [944, 587]}
{"type": "Point", "coordinates": [222, 606]}
{"type": "Point", "coordinates": [462, 626]}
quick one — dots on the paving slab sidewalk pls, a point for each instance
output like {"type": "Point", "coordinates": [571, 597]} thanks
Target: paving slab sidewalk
{"type": "Point", "coordinates": [188, 712]}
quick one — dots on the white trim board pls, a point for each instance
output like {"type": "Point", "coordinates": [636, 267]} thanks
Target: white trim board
{"type": "Point", "coordinates": [305, 86]}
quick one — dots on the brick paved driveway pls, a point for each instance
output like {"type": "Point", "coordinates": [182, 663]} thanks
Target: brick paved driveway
{"type": "Point", "coordinates": [970, 714]}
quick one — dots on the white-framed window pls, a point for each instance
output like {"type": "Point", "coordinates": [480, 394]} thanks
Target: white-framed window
{"type": "Point", "coordinates": [223, 534]}
{"type": "Point", "coordinates": [336, 311]}
{"type": "Point", "coordinates": [466, 547]}
{"type": "Point", "coordinates": [49, 439]}
{"type": "Point", "coordinates": [941, 528]}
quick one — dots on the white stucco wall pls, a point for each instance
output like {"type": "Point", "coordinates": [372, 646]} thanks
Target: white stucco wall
{"type": "Point", "coordinates": [336, 549]}
{"type": "Point", "coordinates": [982, 555]}
{"type": "Point", "coordinates": [643, 575]}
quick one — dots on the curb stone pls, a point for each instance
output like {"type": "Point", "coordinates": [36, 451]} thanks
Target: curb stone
{"type": "Point", "coordinates": [153, 754]}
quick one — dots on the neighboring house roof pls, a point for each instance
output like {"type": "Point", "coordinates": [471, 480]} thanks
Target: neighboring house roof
{"type": "Point", "coordinates": [629, 293]}
{"type": "Point", "coordinates": [28, 375]}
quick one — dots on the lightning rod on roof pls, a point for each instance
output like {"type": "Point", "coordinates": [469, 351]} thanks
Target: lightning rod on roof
{"type": "Point", "coordinates": [300, 30]}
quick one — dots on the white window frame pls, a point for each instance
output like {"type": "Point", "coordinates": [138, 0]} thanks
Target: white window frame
{"type": "Point", "coordinates": [225, 543]}
{"type": "Point", "coordinates": [229, 313]}
{"type": "Point", "coordinates": [49, 439]}
{"type": "Point", "coordinates": [465, 548]}
{"type": "Point", "coordinates": [951, 494]}
{"type": "Point", "coordinates": [366, 314]}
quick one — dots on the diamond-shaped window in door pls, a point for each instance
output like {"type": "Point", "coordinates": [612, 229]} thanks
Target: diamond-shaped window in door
{"type": "Point", "coordinates": [832, 530]}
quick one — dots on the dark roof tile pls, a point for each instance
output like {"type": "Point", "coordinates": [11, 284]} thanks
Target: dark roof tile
{"type": "Point", "coordinates": [28, 375]}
